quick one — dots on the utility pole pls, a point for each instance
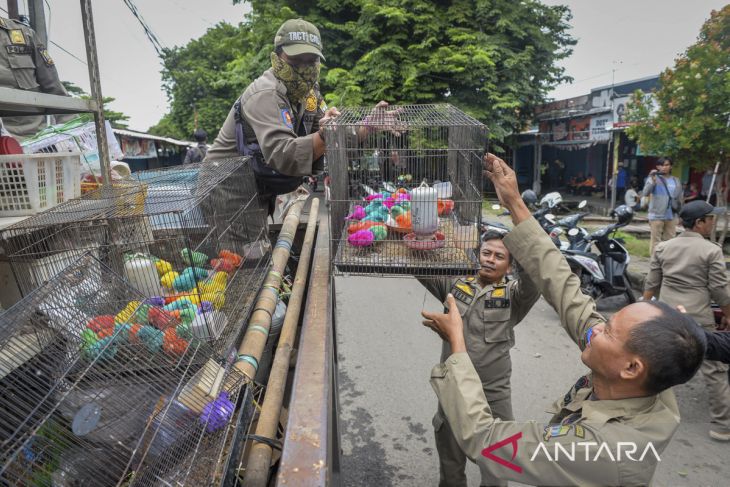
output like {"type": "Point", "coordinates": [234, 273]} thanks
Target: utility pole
{"type": "Point", "coordinates": [38, 20]}
{"type": "Point", "coordinates": [13, 9]}
{"type": "Point", "coordinates": [616, 139]}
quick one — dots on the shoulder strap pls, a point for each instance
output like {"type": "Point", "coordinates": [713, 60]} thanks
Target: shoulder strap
{"type": "Point", "coordinates": [242, 144]}
{"type": "Point", "coordinates": [671, 198]}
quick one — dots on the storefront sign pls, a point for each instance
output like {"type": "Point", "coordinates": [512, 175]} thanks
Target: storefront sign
{"type": "Point", "coordinates": [598, 128]}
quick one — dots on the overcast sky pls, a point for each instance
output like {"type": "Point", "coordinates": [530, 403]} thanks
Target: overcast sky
{"type": "Point", "coordinates": [637, 38]}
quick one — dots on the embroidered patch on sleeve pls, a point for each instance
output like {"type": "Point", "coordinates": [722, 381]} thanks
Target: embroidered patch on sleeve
{"type": "Point", "coordinates": [286, 118]}
{"type": "Point", "coordinates": [43, 51]}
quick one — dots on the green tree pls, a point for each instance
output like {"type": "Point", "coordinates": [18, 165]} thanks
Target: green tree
{"type": "Point", "coordinates": [692, 114]}
{"type": "Point", "coordinates": [116, 119]}
{"type": "Point", "coordinates": [495, 59]}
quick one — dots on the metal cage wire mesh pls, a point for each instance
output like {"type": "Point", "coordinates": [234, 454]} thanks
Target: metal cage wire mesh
{"type": "Point", "coordinates": [95, 391]}
{"type": "Point", "coordinates": [194, 233]}
{"type": "Point", "coordinates": [405, 190]}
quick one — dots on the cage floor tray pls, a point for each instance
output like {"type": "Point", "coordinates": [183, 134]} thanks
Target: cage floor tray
{"type": "Point", "coordinates": [393, 257]}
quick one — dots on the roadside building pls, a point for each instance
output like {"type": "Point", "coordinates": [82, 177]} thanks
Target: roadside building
{"type": "Point", "coordinates": [581, 136]}
{"type": "Point", "coordinates": [145, 151]}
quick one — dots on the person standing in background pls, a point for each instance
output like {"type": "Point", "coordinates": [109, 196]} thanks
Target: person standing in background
{"type": "Point", "coordinates": [690, 271]}
{"type": "Point", "coordinates": [622, 178]}
{"type": "Point", "coordinates": [197, 153]}
{"type": "Point", "coordinates": [666, 200]}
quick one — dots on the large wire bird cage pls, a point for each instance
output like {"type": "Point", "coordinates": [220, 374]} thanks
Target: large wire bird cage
{"type": "Point", "coordinates": [405, 190]}
{"type": "Point", "coordinates": [99, 387]}
{"type": "Point", "coordinates": [191, 238]}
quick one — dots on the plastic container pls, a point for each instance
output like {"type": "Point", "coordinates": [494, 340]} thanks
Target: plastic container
{"type": "Point", "coordinates": [424, 210]}
{"type": "Point", "coordinates": [31, 183]}
{"type": "Point", "coordinates": [141, 273]}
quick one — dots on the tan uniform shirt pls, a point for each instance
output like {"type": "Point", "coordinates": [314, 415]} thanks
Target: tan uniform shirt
{"type": "Point", "coordinates": [690, 270]}
{"type": "Point", "coordinates": [583, 442]}
{"type": "Point", "coordinates": [490, 315]}
{"type": "Point", "coordinates": [283, 131]}
{"type": "Point", "coordinates": [26, 64]}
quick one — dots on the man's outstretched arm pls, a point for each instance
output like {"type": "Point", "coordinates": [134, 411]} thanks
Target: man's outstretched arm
{"type": "Point", "coordinates": [540, 259]}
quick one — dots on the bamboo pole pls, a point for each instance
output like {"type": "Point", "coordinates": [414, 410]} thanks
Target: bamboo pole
{"type": "Point", "coordinates": [259, 460]}
{"type": "Point", "coordinates": [254, 341]}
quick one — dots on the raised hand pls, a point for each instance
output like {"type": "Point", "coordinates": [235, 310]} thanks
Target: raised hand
{"type": "Point", "coordinates": [383, 119]}
{"type": "Point", "coordinates": [330, 114]}
{"type": "Point", "coordinates": [449, 326]}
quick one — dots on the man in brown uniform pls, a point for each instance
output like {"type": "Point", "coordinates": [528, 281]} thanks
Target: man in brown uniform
{"type": "Point", "coordinates": [25, 64]}
{"type": "Point", "coordinates": [490, 306]}
{"type": "Point", "coordinates": [277, 120]}
{"type": "Point", "coordinates": [690, 270]}
{"type": "Point", "coordinates": [612, 426]}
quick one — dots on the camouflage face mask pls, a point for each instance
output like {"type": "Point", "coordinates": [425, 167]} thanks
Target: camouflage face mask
{"type": "Point", "coordinates": [298, 81]}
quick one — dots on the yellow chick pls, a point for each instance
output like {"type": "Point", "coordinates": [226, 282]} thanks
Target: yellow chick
{"type": "Point", "coordinates": [217, 298]}
{"type": "Point", "coordinates": [169, 278]}
{"type": "Point", "coordinates": [163, 267]}
{"type": "Point", "coordinates": [220, 279]}
{"type": "Point", "coordinates": [124, 315]}
{"type": "Point", "coordinates": [193, 295]}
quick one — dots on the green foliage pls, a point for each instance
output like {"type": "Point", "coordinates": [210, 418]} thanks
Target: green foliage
{"type": "Point", "coordinates": [495, 59]}
{"type": "Point", "coordinates": [116, 119]}
{"type": "Point", "coordinates": [691, 123]}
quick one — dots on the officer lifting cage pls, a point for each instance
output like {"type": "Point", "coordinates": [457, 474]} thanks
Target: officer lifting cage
{"type": "Point", "coordinates": [406, 190]}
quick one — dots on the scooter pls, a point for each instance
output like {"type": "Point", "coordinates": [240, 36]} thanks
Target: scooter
{"type": "Point", "coordinates": [603, 274]}
{"type": "Point", "coordinates": [566, 225]}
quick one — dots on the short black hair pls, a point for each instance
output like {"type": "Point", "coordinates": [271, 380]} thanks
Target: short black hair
{"type": "Point", "coordinates": [494, 235]}
{"type": "Point", "coordinates": [200, 135]}
{"type": "Point", "coordinates": [690, 223]}
{"type": "Point", "coordinates": [672, 344]}
{"type": "Point", "coordinates": [662, 160]}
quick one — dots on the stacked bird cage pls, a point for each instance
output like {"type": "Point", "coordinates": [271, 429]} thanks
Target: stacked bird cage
{"type": "Point", "coordinates": [99, 386]}
{"type": "Point", "coordinates": [192, 238]}
{"type": "Point", "coordinates": [405, 190]}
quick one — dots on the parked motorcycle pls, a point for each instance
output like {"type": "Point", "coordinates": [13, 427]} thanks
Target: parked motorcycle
{"type": "Point", "coordinates": [602, 273]}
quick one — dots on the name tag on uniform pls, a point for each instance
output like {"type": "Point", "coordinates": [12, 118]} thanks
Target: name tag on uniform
{"type": "Point", "coordinates": [463, 292]}
{"type": "Point", "coordinates": [497, 298]}
{"type": "Point", "coordinates": [19, 49]}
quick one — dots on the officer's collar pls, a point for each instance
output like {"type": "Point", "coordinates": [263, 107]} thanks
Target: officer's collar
{"type": "Point", "coordinates": [690, 233]}
{"type": "Point", "coordinates": [602, 411]}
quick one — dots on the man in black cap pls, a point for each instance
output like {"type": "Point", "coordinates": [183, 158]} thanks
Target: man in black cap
{"type": "Point", "coordinates": [690, 270]}
{"type": "Point", "coordinates": [197, 153]}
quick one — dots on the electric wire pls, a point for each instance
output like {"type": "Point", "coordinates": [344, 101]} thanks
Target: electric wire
{"type": "Point", "coordinates": [147, 29]}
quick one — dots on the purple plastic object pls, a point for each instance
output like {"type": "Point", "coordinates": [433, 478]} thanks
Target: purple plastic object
{"type": "Point", "coordinates": [388, 204]}
{"type": "Point", "coordinates": [216, 413]}
{"type": "Point", "coordinates": [205, 307]}
{"type": "Point", "coordinates": [155, 301]}
{"type": "Point", "coordinates": [361, 238]}
{"type": "Point", "coordinates": [372, 197]}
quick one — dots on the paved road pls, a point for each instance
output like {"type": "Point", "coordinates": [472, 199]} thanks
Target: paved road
{"type": "Point", "coordinates": [385, 357]}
